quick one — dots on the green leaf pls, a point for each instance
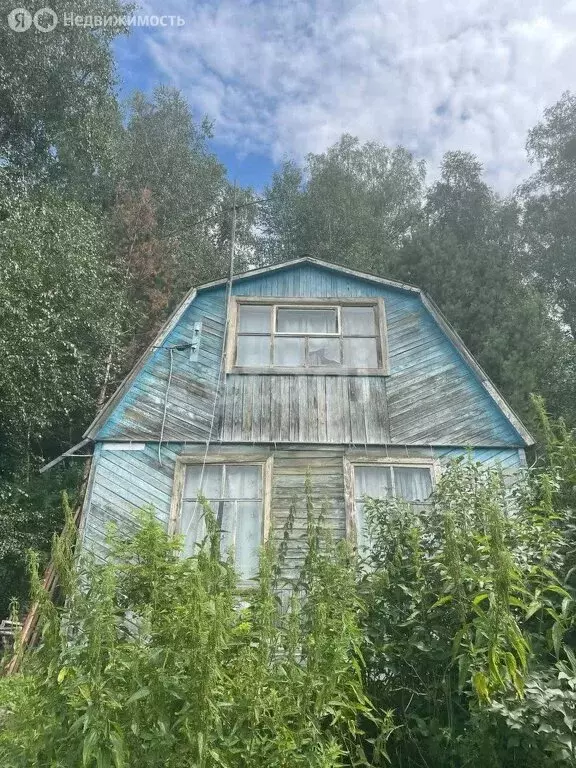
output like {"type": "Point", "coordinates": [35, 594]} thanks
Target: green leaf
{"type": "Point", "coordinates": [557, 636]}
{"type": "Point", "coordinates": [139, 694]}
{"type": "Point", "coordinates": [480, 686]}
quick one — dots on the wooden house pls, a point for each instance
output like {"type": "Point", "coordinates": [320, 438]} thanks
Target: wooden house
{"type": "Point", "coordinates": [303, 366]}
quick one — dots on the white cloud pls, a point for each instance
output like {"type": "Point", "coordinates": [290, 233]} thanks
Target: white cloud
{"type": "Point", "coordinates": [287, 77]}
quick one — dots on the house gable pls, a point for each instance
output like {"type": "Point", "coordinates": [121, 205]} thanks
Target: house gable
{"type": "Point", "coordinates": [435, 394]}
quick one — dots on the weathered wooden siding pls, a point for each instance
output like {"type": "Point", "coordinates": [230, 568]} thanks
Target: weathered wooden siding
{"type": "Point", "coordinates": [305, 409]}
{"type": "Point", "coordinates": [326, 472]}
{"type": "Point", "coordinates": [190, 404]}
{"type": "Point", "coordinates": [124, 481]}
{"type": "Point", "coordinates": [431, 396]}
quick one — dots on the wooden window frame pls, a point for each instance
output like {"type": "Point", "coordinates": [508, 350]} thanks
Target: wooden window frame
{"type": "Point", "coordinates": [264, 461]}
{"type": "Point", "coordinates": [295, 303]}
{"type": "Point", "coordinates": [369, 461]}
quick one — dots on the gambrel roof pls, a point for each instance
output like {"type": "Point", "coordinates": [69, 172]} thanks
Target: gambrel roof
{"type": "Point", "coordinates": [343, 279]}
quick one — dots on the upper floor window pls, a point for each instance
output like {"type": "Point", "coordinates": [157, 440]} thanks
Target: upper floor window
{"type": "Point", "coordinates": [309, 336]}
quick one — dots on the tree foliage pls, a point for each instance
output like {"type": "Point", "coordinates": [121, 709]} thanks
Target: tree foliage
{"type": "Point", "coordinates": [59, 117]}
{"type": "Point", "coordinates": [351, 204]}
{"type": "Point", "coordinates": [466, 615]}
{"type": "Point", "coordinates": [549, 197]}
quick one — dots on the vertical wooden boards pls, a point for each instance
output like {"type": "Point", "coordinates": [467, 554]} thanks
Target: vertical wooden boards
{"type": "Point", "coordinates": [305, 409]}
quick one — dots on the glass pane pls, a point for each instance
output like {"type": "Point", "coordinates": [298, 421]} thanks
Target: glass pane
{"type": "Point", "coordinates": [254, 319]}
{"type": "Point", "coordinates": [253, 350]}
{"type": "Point", "coordinates": [307, 321]}
{"type": "Point", "coordinates": [362, 534]}
{"type": "Point", "coordinates": [412, 483]}
{"type": "Point", "coordinates": [226, 517]}
{"type": "Point", "coordinates": [323, 351]}
{"type": "Point", "coordinates": [360, 353]}
{"type": "Point", "coordinates": [211, 481]}
{"type": "Point", "coordinates": [242, 482]}
{"type": "Point", "coordinates": [248, 538]}
{"type": "Point", "coordinates": [192, 526]}
{"type": "Point", "coordinates": [375, 482]}
{"type": "Point", "coordinates": [358, 321]}
{"type": "Point", "coordinates": [289, 351]}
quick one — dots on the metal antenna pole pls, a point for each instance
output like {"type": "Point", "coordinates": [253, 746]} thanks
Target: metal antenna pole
{"type": "Point", "coordinates": [232, 240]}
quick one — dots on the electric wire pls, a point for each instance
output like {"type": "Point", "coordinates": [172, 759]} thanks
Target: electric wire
{"type": "Point", "coordinates": [222, 359]}
{"type": "Point", "coordinates": [171, 349]}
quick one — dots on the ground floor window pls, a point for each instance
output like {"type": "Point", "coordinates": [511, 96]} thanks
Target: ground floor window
{"type": "Point", "coordinates": [235, 493]}
{"type": "Point", "coordinates": [410, 482]}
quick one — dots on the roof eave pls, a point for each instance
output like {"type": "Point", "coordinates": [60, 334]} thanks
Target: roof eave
{"type": "Point", "coordinates": [124, 385]}
{"type": "Point", "coordinates": [478, 371]}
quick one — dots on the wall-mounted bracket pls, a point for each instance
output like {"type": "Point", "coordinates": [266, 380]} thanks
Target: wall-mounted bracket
{"type": "Point", "coordinates": [195, 346]}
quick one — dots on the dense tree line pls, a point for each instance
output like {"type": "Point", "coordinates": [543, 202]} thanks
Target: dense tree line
{"type": "Point", "coordinates": [109, 212]}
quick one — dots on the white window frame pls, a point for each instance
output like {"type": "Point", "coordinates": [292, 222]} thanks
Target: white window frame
{"type": "Point", "coordinates": [307, 303]}
{"type": "Point", "coordinates": [350, 463]}
{"type": "Point", "coordinates": [264, 461]}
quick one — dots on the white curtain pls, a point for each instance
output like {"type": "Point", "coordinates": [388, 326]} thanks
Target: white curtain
{"type": "Point", "coordinates": [412, 483]}
{"type": "Point", "coordinates": [254, 319]}
{"type": "Point", "coordinates": [375, 482]}
{"type": "Point", "coordinates": [307, 321]}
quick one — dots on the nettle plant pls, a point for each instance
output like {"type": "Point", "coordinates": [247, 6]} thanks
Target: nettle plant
{"type": "Point", "coordinates": [154, 659]}
{"type": "Point", "coordinates": [449, 644]}
{"type": "Point", "coordinates": [466, 623]}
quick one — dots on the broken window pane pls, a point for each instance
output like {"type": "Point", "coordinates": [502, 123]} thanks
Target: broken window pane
{"type": "Point", "coordinates": [360, 353]}
{"type": "Point", "coordinates": [358, 321]}
{"type": "Point", "coordinates": [323, 351]}
{"type": "Point", "coordinates": [307, 320]}
{"type": "Point", "coordinates": [289, 351]}
{"type": "Point", "coordinates": [253, 350]}
{"type": "Point", "coordinates": [254, 318]}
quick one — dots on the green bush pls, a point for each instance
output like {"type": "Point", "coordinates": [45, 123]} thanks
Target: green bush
{"type": "Point", "coordinates": [465, 624]}
{"type": "Point", "coordinates": [153, 660]}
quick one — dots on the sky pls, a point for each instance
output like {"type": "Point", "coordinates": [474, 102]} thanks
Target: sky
{"type": "Point", "coordinates": [282, 78]}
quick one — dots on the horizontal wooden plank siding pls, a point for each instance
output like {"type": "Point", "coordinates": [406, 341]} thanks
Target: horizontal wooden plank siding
{"type": "Point", "coordinates": [288, 488]}
{"type": "Point", "coordinates": [431, 396]}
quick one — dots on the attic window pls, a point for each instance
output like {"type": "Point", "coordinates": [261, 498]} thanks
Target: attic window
{"type": "Point", "coordinates": [309, 336]}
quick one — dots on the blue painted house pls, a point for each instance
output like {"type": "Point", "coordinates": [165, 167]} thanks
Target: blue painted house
{"type": "Point", "coordinates": [295, 368]}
